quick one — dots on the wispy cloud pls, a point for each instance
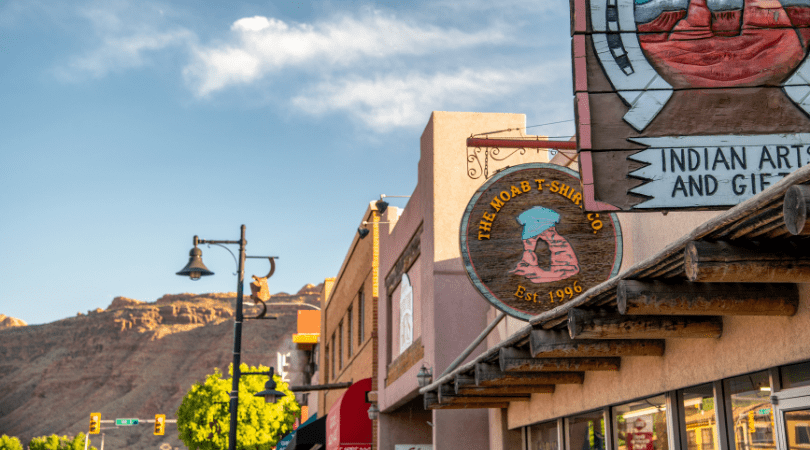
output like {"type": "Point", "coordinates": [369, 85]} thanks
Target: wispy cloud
{"type": "Point", "coordinates": [262, 46]}
{"type": "Point", "coordinates": [393, 101]}
{"type": "Point", "coordinates": [125, 35]}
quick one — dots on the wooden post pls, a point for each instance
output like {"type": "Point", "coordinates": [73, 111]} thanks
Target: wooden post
{"type": "Point", "coordinates": [505, 390]}
{"type": "Point", "coordinates": [794, 209]}
{"type": "Point", "coordinates": [552, 343]}
{"type": "Point", "coordinates": [491, 375]}
{"type": "Point", "coordinates": [725, 299]}
{"type": "Point", "coordinates": [587, 325]}
{"type": "Point", "coordinates": [515, 360]}
{"type": "Point", "coordinates": [721, 262]}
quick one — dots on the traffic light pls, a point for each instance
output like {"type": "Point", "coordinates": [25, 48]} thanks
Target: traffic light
{"type": "Point", "coordinates": [95, 423]}
{"type": "Point", "coordinates": [160, 424]}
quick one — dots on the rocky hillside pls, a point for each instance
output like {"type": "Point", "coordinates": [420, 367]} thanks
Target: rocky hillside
{"type": "Point", "coordinates": [133, 360]}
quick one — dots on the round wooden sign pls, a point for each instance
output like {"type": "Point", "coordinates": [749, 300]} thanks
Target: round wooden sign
{"type": "Point", "coordinates": [527, 244]}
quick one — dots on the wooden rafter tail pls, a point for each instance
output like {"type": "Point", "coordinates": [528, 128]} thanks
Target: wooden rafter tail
{"type": "Point", "coordinates": [463, 381]}
{"type": "Point", "coordinates": [794, 210]}
{"type": "Point", "coordinates": [722, 299]}
{"type": "Point", "coordinates": [553, 343]}
{"type": "Point", "coordinates": [587, 325]}
{"type": "Point", "coordinates": [506, 390]}
{"type": "Point", "coordinates": [491, 375]}
{"type": "Point", "coordinates": [515, 360]}
{"type": "Point", "coordinates": [722, 262]}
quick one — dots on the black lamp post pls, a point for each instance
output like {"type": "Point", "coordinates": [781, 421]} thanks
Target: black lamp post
{"type": "Point", "coordinates": [196, 269]}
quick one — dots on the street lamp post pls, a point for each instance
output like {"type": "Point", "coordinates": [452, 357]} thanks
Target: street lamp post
{"type": "Point", "coordinates": [194, 270]}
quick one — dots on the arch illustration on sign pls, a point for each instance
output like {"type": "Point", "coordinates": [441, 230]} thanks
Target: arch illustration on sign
{"type": "Point", "coordinates": [528, 246]}
{"type": "Point", "coordinates": [655, 78]}
{"type": "Point", "coordinates": [539, 223]}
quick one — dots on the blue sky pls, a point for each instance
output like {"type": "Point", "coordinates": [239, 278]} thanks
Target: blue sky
{"type": "Point", "coordinates": [130, 126]}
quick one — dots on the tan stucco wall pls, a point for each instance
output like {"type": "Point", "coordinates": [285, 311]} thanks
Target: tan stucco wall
{"type": "Point", "coordinates": [748, 344]}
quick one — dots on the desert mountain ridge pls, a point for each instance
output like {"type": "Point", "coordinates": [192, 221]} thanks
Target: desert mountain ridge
{"type": "Point", "coordinates": [134, 359]}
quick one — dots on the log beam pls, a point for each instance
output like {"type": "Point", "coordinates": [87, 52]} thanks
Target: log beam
{"type": "Point", "coordinates": [491, 375]}
{"type": "Point", "coordinates": [468, 405]}
{"type": "Point", "coordinates": [505, 390]}
{"type": "Point", "coordinates": [554, 344]}
{"type": "Point", "coordinates": [721, 262]}
{"type": "Point", "coordinates": [514, 360]}
{"type": "Point", "coordinates": [723, 299]}
{"type": "Point", "coordinates": [794, 210]}
{"type": "Point", "coordinates": [447, 395]}
{"type": "Point", "coordinates": [587, 325]}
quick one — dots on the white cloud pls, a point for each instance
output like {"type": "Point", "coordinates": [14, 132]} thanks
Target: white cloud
{"type": "Point", "coordinates": [393, 101]}
{"type": "Point", "coordinates": [265, 45]}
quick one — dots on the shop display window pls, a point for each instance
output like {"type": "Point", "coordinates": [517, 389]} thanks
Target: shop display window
{"type": "Point", "coordinates": [700, 416]}
{"type": "Point", "coordinates": [751, 410]}
{"type": "Point", "coordinates": [641, 425]}
{"type": "Point", "coordinates": [586, 431]}
{"type": "Point", "coordinates": [543, 436]}
{"type": "Point", "coordinates": [795, 375]}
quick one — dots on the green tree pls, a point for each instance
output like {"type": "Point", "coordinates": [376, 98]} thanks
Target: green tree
{"type": "Point", "coordinates": [10, 443]}
{"type": "Point", "coordinates": [54, 442]}
{"type": "Point", "coordinates": [260, 425]}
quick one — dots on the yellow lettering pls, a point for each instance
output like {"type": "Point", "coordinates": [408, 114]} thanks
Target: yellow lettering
{"type": "Point", "coordinates": [482, 236]}
{"type": "Point", "coordinates": [525, 186]}
{"type": "Point", "coordinates": [540, 184]}
{"type": "Point", "coordinates": [564, 189]}
{"type": "Point", "coordinates": [485, 226]}
{"type": "Point", "coordinates": [577, 198]}
{"type": "Point", "coordinates": [515, 191]}
{"type": "Point", "coordinates": [496, 204]}
{"type": "Point", "coordinates": [555, 186]}
{"type": "Point", "coordinates": [520, 291]}
{"type": "Point", "coordinates": [535, 297]}
{"type": "Point", "coordinates": [505, 196]}
{"type": "Point", "coordinates": [489, 216]}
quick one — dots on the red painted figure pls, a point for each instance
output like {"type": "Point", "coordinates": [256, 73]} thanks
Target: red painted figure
{"type": "Point", "coordinates": [540, 224]}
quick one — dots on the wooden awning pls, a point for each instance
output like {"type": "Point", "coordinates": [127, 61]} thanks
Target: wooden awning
{"type": "Point", "coordinates": [745, 261]}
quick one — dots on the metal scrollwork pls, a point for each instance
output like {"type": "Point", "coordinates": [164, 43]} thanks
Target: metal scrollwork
{"type": "Point", "coordinates": [475, 168]}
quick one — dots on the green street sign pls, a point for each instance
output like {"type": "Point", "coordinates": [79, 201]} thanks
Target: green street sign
{"type": "Point", "coordinates": [764, 411]}
{"type": "Point", "coordinates": [126, 422]}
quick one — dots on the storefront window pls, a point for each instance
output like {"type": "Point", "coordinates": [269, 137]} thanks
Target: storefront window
{"type": "Point", "coordinates": [587, 431]}
{"type": "Point", "coordinates": [543, 436]}
{"type": "Point", "coordinates": [795, 375]}
{"type": "Point", "coordinates": [751, 410]}
{"type": "Point", "coordinates": [641, 425]}
{"type": "Point", "coordinates": [700, 417]}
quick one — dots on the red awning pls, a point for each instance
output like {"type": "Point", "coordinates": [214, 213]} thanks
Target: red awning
{"type": "Point", "coordinates": [347, 424]}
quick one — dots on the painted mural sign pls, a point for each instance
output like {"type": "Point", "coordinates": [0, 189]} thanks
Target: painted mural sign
{"type": "Point", "coordinates": [689, 103]}
{"type": "Point", "coordinates": [527, 244]}
{"type": "Point", "coordinates": [405, 313]}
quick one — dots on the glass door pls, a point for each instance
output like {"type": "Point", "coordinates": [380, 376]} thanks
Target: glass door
{"type": "Point", "coordinates": [792, 416]}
